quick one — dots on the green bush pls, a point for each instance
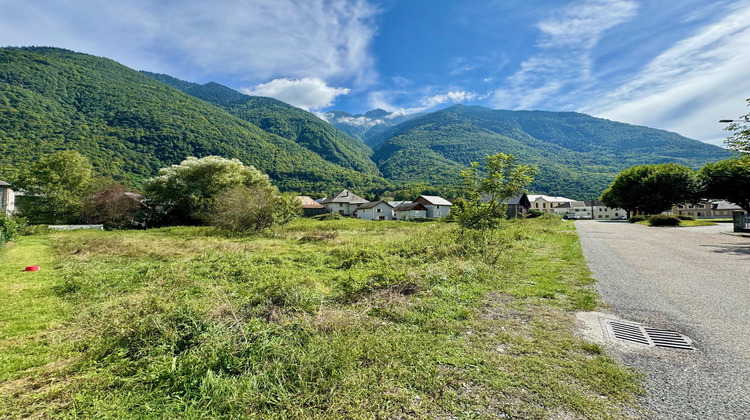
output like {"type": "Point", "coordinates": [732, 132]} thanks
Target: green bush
{"type": "Point", "coordinates": [637, 218]}
{"type": "Point", "coordinates": [685, 217]}
{"type": "Point", "coordinates": [328, 216]}
{"type": "Point", "coordinates": [534, 213]}
{"type": "Point", "coordinates": [663, 220]}
{"type": "Point", "coordinates": [9, 227]}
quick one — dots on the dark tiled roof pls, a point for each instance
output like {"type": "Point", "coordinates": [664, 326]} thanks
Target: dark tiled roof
{"type": "Point", "coordinates": [410, 206]}
{"type": "Point", "coordinates": [372, 204]}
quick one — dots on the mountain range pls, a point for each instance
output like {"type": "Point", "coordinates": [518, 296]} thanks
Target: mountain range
{"type": "Point", "coordinates": [131, 123]}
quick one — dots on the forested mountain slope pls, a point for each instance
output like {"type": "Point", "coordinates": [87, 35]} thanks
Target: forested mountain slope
{"type": "Point", "coordinates": [130, 125]}
{"type": "Point", "coordinates": [282, 119]}
{"type": "Point", "coordinates": [577, 155]}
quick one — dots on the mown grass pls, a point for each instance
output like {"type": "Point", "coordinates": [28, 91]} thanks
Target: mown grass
{"type": "Point", "coordinates": [321, 319]}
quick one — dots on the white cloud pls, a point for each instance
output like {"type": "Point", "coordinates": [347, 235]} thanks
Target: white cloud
{"type": "Point", "coordinates": [251, 40]}
{"type": "Point", "coordinates": [452, 97]}
{"type": "Point", "coordinates": [583, 22]}
{"type": "Point", "coordinates": [384, 99]}
{"type": "Point", "coordinates": [690, 86]}
{"type": "Point", "coordinates": [563, 60]}
{"type": "Point", "coordinates": [306, 93]}
{"type": "Point", "coordinates": [358, 121]}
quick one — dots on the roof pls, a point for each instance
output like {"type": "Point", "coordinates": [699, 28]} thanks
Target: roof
{"type": "Point", "coordinates": [344, 196]}
{"type": "Point", "coordinates": [410, 206]}
{"type": "Point", "coordinates": [395, 204]}
{"type": "Point", "coordinates": [549, 198]}
{"type": "Point", "coordinates": [372, 204]}
{"type": "Point", "coordinates": [596, 203]}
{"type": "Point", "coordinates": [4, 184]}
{"type": "Point", "coordinates": [571, 204]}
{"type": "Point", "coordinates": [520, 200]}
{"type": "Point", "coordinates": [725, 205]}
{"type": "Point", "coordinates": [435, 200]}
{"type": "Point", "coordinates": [309, 203]}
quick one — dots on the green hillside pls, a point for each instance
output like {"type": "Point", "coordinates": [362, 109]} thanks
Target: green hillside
{"type": "Point", "coordinates": [130, 125]}
{"type": "Point", "coordinates": [578, 155]}
{"type": "Point", "coordinates": [276, 117]}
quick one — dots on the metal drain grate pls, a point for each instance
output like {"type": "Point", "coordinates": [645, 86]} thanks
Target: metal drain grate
{"type": "Point", "coordinates": [652, 337]}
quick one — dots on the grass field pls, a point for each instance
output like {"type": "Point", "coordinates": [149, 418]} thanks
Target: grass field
{"type": "Point", "coordinates": [321, 319]}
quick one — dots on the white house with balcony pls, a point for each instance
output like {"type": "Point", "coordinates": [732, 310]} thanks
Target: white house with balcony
{"type": "Point", "coordinates": [376, 210]}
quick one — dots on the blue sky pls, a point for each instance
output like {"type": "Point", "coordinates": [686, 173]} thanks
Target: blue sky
{"type": "Point", "coordinates": [679, 65]}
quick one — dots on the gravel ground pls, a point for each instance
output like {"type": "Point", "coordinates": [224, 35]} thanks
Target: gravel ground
{"type": "Point", "coordinates": [692, 280]}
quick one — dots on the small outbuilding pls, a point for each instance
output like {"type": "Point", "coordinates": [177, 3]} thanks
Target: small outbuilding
{"type": "Point", "coordinates": [410, 211]}
{"type": "Point", "coordinates": [311, 207]}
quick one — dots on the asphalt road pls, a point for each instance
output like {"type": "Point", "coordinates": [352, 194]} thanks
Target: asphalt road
{"type": "Point", "coordinates": [692, 280]}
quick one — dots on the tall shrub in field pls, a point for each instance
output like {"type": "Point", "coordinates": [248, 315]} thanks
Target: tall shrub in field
{"type": "Point", "coordinates": [244, 208]}
{"type": "Point", "coordinates": [113, 206]}
{"type": "Point", "coordinates": [486, 188]}
{"type": "Point", "coordinates": [185, 192]}
{"type": "Point", "coordinates": [222, 192]}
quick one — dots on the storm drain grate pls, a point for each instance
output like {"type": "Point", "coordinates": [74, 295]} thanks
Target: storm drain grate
{"type": "Point", "coordinates": [652, 337]}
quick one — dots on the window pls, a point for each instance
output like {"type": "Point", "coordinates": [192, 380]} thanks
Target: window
{"type": "Point", "coordinates": [600, 216]}
{"type": "Point", "coordinates": [680, 206]}
{"type": "Point", "coordinates": [544, 205]}
{"type": "Point", "coordinates": [380, 210]}
{"type": "Point", "coordinates": [616, 214]}
{"type": "Point", "coordinates": [537, 205]}
{"type": "Point", "coordinates": [698, 214]}
{"type": "Point", "coordinates": [702, 206]}
{"type": "Point", "coordinates": [690, 206]}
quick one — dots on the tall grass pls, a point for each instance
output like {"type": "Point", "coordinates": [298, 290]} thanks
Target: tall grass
{"type": "Point", "coordinates": [327, 319]}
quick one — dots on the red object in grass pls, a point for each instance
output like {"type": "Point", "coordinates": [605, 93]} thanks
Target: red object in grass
{"type": "Point", "coordinates": [32, 268]}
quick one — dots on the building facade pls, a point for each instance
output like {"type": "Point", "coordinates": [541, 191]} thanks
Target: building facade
{"type": "Point", "coordinates": [7, 198]}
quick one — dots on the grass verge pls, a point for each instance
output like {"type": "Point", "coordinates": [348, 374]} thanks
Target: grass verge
{"type": "Point", "coordinates": [322, 319]}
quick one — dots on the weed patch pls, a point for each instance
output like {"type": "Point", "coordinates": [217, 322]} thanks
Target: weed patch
{"type": "Point", "coordinates": [319, 319]}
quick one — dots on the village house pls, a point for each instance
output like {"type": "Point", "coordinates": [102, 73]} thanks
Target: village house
{"type": "Point", "coordinates": [436, 206]}
{"type": "Point", "coordinates": [546, 203]}
{"type": "Point", "coordinates": [589, 210]}
{"type": "Point", "coordinates": [518, 206]}
{"type": "Point", "coordinates": [706, 209]}
{"type": "Point", "coordinates": [410, 211]}
{"type": "Point", "coordinates": [376, 210]}
{"type": "Point", "coordinates": [7, 199]}
{"type": "Point", "coordinates": [311, 207]}
{"type": "Point", "coordinates": [343, 202]}
{"type": "Point", "coordinates": [573, 210]}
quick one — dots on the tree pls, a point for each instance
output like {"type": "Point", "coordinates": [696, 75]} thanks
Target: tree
{"type": "Point", "coordinates": [728, 180]}
{"type": "Point", "coordinates": [739, 141]}
{"type": "Point", "coordinates": [254, 208]}
{"type": "Point", "coordinates": [54, 187]}
{"type": "Point", "coordinates": [113, 206]}
{"type": "Point", "coordinates": [503, 179]}
{"type": "Point", "coordinates": [187, 191]}
{"type": "Point", "coordinates": [652, 189]}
